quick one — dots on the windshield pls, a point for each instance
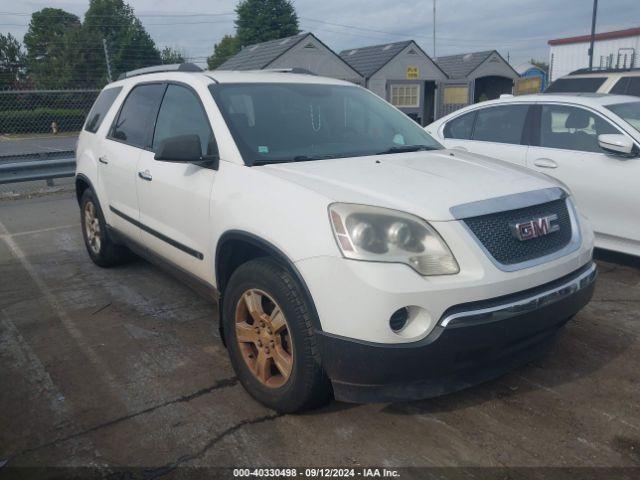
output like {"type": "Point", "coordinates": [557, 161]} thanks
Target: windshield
{"type": "Point", "coordinates": [288, 122]}
{"type": "Point", "coordinates": [630, 112]}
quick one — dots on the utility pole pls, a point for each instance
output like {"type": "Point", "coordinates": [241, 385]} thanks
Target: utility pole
{"type": "Point", "coordinates": [434, 29]}
{"type": "Point", "coordinates": [106, 58]}
{"type": "Point", "coordinates": [593, 32]}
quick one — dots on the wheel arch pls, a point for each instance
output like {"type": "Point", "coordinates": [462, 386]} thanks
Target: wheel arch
{"type": "Point", "coordinates": [236, 247]}
{"type": "Point", "coordinates": [82, 184]}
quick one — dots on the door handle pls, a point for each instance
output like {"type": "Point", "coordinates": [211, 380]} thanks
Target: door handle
{"type": "Point", "coordinates": [145, 175]}
{"type": "Point", "coordinates": [103, 160]}
{"type": "Point", "coordinates": [545, 163]}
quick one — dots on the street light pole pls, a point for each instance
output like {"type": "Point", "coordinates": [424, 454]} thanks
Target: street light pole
{"type": "Point", "coordinates": [434, 29]}
{"type": "Point", "coordinates": [593, 32]}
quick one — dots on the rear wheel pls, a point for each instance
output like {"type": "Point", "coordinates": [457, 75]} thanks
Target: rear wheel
{"type": "Point", "coordinates": [269, 334]}
{"type": "Point", "coordinates": [101, 248]}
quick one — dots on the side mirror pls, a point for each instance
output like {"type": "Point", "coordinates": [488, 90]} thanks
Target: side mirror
{"type": "Point", "coordinates": [184, 148]}
{"type": "Point", "coordinates": [617, 144]}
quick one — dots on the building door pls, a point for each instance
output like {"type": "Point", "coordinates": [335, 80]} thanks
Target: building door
{"type": "Point", "coordinates": [429, 103]}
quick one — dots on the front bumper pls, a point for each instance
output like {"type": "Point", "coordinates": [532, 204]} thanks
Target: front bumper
{"type": "Point", "coordinates": [471, 343]}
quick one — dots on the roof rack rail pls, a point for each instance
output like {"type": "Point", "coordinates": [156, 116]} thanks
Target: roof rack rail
{"type": "Point", "coordinates": [302, 71]}
{"type": "Point", "coordinates": [174, 67]}
{"type": "Point", "coordinates": [603, 70]}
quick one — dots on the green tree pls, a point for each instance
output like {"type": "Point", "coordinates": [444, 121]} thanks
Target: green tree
{"type": "Point", "coordinates": [130, 46]}
{"type": "Point", "coordinates": [262, 20]}
{"type": "Point", "coordinates": [222, 51]}
{"type": "Point", "coordinates": [171, 55]}
{"type": "Point", "coordinates": [46, 46]}
{"type": "Point", "coordinates": [11, 61]}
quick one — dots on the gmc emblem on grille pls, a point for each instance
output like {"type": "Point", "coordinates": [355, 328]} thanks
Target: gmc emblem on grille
{"type": "Point", "coordinates": [535, 228]}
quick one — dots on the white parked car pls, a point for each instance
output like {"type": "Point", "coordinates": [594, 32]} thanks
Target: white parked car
{"type": "Point", "coordinates": [351, 254]}
{"type": "Point", "coordinates": [618, 81]}
{"type": "Point", "coordinates": [591, 142]}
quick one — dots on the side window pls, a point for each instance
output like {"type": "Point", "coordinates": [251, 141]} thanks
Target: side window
{"type": "Point", "coordinates": [620, 86]}
{"type": "Point", "coordinates": [182, 114]}
{"type": "Point", "coordinates": [572, 128]}
{"type": "Point", "coordinates": [460, 127]}
{"type": "Point", "coordinates": [137, 114]}
{"type": "Point", "coordinates": [100, 108]}
{"type": "Point", "coordinates": [501, 124]}
{"type": "Point", "coordinates": [633, 87]}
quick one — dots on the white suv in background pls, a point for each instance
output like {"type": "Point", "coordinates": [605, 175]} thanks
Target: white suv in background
{"type": "Point", "coordinates": [351, 254]}
{"type": "Point", "coordinates": [591, 142]}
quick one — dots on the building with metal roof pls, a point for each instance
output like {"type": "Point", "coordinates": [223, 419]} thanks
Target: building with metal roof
{"type": "Point", "coordinates": [304, 51]}
{"type": "Point", "coordinates": [401, 73]}
{"type": "Point", "coordinates": [487, 73]}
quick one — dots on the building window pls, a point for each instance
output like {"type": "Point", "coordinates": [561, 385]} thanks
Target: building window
{"type": "Point", "coordinates": [407, 96]}
{"type": "Point", "coordinates": [456, 95]}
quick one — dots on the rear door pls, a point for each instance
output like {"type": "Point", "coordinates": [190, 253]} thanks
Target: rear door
{"type": "Point", "coordinates": [174, 197]}
{"type": "Point", "coordinates": [605, 186]}
{"type": "Point", "coordinates": [126, 138]}
{"type": "Point", "coordinates": [496, 131]}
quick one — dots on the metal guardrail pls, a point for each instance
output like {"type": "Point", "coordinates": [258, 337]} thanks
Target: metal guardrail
{"type": "Point", "coordinates": [26, 168]}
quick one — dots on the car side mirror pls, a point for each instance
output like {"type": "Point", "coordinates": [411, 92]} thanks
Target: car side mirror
{"type": "Point", "coordinates": [185, 149]}
{"type": "Point", "coordinates": [617, 144]}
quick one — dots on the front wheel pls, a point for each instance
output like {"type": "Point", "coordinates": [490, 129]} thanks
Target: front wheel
{"type": "Point", "coordinates": [101, 248]}
{"type": "Point", "coordinates": [269, 334]}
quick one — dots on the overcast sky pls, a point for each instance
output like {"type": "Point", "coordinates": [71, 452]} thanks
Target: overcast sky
{"type": "Point", "coordinates": [518, 28]}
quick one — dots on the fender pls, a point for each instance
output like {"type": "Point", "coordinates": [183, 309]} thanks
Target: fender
{"type": "Point", "coordinates": [84, 178]}
{"type": "Point", "coordinates": [277, 254]}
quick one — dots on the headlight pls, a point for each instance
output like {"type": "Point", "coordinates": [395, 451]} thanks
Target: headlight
{"type": "Point", "coordinates": [383, 235]}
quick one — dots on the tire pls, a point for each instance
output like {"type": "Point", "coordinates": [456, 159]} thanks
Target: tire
{"type": "Point", "coordinates": [269, 287]}
{"type": "Point", "coordinates": [101, 248]}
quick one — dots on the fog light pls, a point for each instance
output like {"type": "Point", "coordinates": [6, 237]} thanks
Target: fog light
{"type": "Point", "coordinates": [398, 319]}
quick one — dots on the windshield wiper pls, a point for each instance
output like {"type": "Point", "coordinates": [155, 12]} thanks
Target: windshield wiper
{"type": "Point", "coordinates": [407, 148]}
{"type": "Point", "coordinates": [304, 158]}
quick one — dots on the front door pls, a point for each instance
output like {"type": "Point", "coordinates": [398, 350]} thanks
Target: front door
{"type": "Point", "coordinates": [117, 167]}
{"type": "Point", "coordinates": [605, 186]}
{"type": "Point", "coordinates": [174, 197]}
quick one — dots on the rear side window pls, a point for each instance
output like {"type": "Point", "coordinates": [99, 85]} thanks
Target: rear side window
{"type": "Point", "coordinates": [633, 88]}
{"type": "Point", "coordinates": [501, 124]}
{"type": "Point", "coordinates": [460, 127]}
{"type": "Point", "coordinates": [621, 86]}
{"type": "Point", "coordinates": [576, 85]}
{"type": "Point", "coordinates": [182, 114]}
{"type": "Point", "coordinates": [137, 115]}
{"type": "Point", "coordinates": [100, 108]}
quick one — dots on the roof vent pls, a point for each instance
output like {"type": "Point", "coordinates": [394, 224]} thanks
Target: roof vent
{"type": "Point", "coordinates": [283, 42]}
{"type": "Point", "coordinates": [353, 52]}
{"type": "Point", "coordinates": [412, 52]}
{"type": "Point", "coordinates": [310, 46]}
{"type": "Point", "coordinates": [466, 57]}
{"type": "Point", "coordinates": [387, 47]}
{"type": "Point", "coordinates": [251, 49]}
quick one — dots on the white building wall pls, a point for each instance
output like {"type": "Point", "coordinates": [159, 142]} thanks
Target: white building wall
{"type": "Point", "coordinates": [563, 59]}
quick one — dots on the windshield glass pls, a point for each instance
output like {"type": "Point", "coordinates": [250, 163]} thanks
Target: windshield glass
{"type": "Point", "coordinates": [630, 112]}
{"type": "Point", "coordinates": [288, 122]}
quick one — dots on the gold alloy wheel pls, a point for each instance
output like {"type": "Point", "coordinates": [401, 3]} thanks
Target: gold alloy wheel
{"type": "Point", "coordinates": [263, 336]}
{"type": "Point", "coordinates": [92, 227]}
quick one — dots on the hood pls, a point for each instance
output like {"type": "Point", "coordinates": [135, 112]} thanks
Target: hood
{"type": "Point", "coordinates": [426, 183]}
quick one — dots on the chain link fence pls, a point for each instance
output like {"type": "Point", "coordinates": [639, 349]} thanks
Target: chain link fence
{"type": "Point", "coordinates": [38, 131]}
{"type": "Point", "coordinates": [44, 111]}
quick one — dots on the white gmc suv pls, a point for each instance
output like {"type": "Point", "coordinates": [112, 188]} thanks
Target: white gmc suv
{"type": "Point", "coordinates": [351, 254]}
